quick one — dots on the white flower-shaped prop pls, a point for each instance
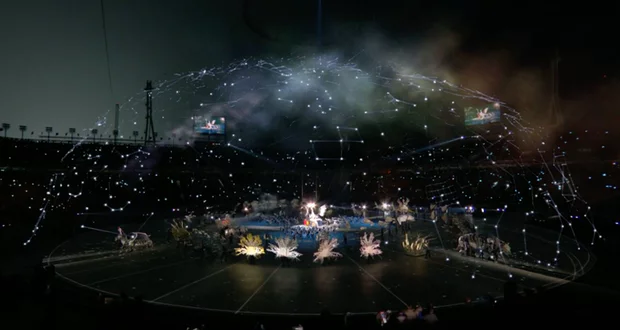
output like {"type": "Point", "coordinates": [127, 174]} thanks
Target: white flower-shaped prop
{"type": "Point", "coordinates": [417, 246]}
{"type": "Point", "coordinates": [285, 248]}
{"type": "Point", "coordinates": [369, 246]}
{"type": "Point", "coordinates": [250, 246]}
{"type": "Point", "coordinates": [403, 206]}
{"type": "Point", "coordinates": [326, 250]}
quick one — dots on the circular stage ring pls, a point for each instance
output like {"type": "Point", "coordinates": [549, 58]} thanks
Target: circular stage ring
{"type": "Point", "coordinates": [303, 288]}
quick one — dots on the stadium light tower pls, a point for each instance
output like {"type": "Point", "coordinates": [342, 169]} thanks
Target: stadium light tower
{"type": "Point", "coordinates": [117, 112]}
{"type": "Point", "coordinates": [5, 127]}
{"type": "Point", "coordinates": [22, 129]}
{"type": "Point", "coordinates": [149, 131]}
{"type": "Point", "coordinates": [49, 131]}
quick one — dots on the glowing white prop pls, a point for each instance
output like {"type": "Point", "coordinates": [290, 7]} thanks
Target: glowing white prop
{"type": "Point", "coordinates": [403, 206]}
{"type": "Point", "coordinates": [326, 251]}
{"type": "Point", "coordinates": [369, 246]}
{"type": "Point", "coordinates": [313, 218]}
{"type": "Point", "coordinates": [403, 212]}
{"type": "Point", "coordinates": [250, 246]}
{"type": "Point", "coordinates": [322, 210]}
{"type": "Point", "coordinates": [285, 248]}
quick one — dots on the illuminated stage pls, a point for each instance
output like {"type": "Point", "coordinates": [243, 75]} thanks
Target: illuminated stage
{"type": "Point", "coordinates": [163, 275]}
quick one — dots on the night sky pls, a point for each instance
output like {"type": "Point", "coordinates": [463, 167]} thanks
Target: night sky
{"type": "Point", "coordinates": [55, 71]}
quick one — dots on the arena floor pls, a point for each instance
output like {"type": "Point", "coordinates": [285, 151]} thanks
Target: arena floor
{"type": "Point", "coordinates": [165, 275]}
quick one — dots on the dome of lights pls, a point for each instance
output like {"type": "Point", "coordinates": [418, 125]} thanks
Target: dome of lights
{"type": "Point", "coordinates": [388, 132]}
{"type": "Point", "coordinates": [334, 109]}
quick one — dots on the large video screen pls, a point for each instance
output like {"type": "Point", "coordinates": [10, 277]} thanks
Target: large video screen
{"type": "Point", "coordinates": [481, 116]}
{"type": "Point", "coordinates": [209, 125]}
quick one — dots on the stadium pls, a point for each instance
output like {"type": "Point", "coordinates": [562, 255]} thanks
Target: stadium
{"type": "Point", "coordinates": [296, 188]}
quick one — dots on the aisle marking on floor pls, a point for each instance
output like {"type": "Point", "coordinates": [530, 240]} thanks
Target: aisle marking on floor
{"type": "Point", "coordinates": [115, 263]}
{"type": "Point", "coordinates": [258, 289]}
{"type": "Point", "coordinates": [86, 270]}
{"type": "Point", "coordinates": [139, 272]}
{"type": "Point", "coordinates": [190, 284]}
{"type": "Point", "coordinates": [378, 282]}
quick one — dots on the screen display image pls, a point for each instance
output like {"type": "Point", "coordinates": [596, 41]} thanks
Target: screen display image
{"type": "Point", "coordinates": [210, 125]}
{"type": "Point", "coordinates": [481, 116]}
